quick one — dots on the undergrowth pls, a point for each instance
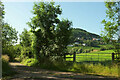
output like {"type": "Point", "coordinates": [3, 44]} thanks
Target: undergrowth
{"type": "Point", "coordinates": [6, 69]}
{"type": "Point", "coordinates": [86, 68]}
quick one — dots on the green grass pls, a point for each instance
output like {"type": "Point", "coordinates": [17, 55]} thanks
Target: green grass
{"type": "Point", "coordinates": [96, 69]}
{"type": "Point", "coordinates": [106, 69]}
{"type": "Point", "coordinates": [6, 69]}
{"type": "Point", "coordinates": [84, 47]}
{"type": "Point", "coordinates": [110, 70]}
{"type": "Point", "coordinates": [93, 56]}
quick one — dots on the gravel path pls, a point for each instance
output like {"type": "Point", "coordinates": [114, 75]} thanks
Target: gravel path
{"type": "Point", "coordinates": [32, 73]}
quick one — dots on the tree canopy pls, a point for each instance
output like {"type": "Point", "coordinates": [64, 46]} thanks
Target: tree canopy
{"type": "Point", "coordinates": [9, 35]}
{"type": "Point", "coordinates": [51, 34]}
{"type": "Point", "coordinates": [111, 31]}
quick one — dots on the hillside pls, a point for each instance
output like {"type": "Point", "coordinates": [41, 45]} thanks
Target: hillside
{"type": "Point", "coordinates": [81, 34]}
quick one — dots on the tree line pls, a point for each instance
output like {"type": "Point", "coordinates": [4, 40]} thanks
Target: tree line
{"type": "Point", "coordinates": [49, 36]}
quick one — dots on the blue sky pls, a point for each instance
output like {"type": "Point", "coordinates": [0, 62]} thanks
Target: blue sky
{"type": "Point", "coordinates": [85, 15]}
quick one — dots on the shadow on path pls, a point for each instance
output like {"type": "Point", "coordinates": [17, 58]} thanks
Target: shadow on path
{"type": "Point", "coordinates": [32, 73]}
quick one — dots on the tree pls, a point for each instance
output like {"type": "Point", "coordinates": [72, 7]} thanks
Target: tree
{"type": "Point", "coordinates": [51, 34]}
{"type": "Point", "coordinates": [9, 38]}
{"type": "Point", "coordinates": [1, 23]}
{"type": "Point", "coordinates": [25, 38]}
{"type": "Point", "coordinates": [26, 42]}
{"type": "Point", "coordinates": [9, 35]}
{"type": "Point", "coordinates": [111, 31]}
{"type": "Point", "coordinates": [1, 11]}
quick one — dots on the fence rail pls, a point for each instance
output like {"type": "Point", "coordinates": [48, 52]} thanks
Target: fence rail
{"type": "Point", "coordinates": [78, 57]}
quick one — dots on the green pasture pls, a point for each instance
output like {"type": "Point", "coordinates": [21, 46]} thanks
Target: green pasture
{"type": "Point", "coordinates": [83, 47]}
{"type": "Point", "coordinates": [93, 56]}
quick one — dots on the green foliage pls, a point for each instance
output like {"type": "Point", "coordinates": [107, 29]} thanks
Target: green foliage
{"type": "Point", "coordinates": [111, 31]}
{"type": "Point", "coordinates": [26, 41]}
{"type": "Point", "coordinates": [25, 38]}
{"type": "Point", "coordinates": [106, 47]}
{"type": "Point", "coordinates": [9, 38]}
{"type": "Point", "coordinates": [29, 61]}
{"type": "Point", "coordinates": [91, 43]}
{"type": "Point", "coordinates": [9, 35]}
{"type": "Point", "coordinates": [80, 49]}
{"type": "Point", "coordinates": [17, 50]}
{"type": "Point", "coordinates": [87, 68]}
{"type": "Point", "coordinates": [1, 11]}
{"type": "Point", "coordinates": [10, 51]}
{"type": "Point", "coordinates": [98, 69]}
{"type": "Point", "coordinates": [26, 52]}
{"type": "Point", "coordinates": [51, 36]}
{"type": "Point", "coordinates": [82, 35]}
{"type": "Point", "coordinates": [6, 69]}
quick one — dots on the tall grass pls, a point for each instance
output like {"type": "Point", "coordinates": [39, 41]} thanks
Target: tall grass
{"type": "Point", "coordinates": [6, 69]}
{"type": "Point", "coordinates": [86, 68]}
{"type": "Point", "coordinates": [96, 69]}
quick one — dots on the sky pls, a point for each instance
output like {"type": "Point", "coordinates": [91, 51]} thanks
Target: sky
{"type": "Point", "coordinates": [84, 15]}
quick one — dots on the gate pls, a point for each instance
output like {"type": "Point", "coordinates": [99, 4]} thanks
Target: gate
{"type": "Point", "coordinates": [89, 57]}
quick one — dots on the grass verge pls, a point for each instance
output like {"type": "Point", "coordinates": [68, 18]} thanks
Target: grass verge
{"type": "Point", "coordinates": [7, 71]}
{"type": "Point", "coordinates": [110, 70]}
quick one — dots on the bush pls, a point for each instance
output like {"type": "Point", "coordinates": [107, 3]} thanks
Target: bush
{"type": "Point", "coordinates": [17, 49]}
{"type": "Point", "coordinates": [30, 62]}
{"type": "Point", "coordinates": [6, 69]}
{"type": "Point", "coordinates": [10, 52]}
{"type": "Point", "coordinates": [26, 52]}
{"type": "Point", "coordinates": [5, 58]}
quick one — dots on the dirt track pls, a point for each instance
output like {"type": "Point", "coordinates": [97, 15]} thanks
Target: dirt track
{"type": "Point", "coordinates": [32, 73]}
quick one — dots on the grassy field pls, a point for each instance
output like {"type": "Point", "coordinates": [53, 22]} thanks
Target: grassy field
{"type": "Point", "coordinates": [93, 56]}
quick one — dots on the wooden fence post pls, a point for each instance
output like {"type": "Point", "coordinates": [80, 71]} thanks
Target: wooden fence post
{"type": "Point", "coordinates": [113, 57]}
{"type": "Point", "coordinates": [74, 57]}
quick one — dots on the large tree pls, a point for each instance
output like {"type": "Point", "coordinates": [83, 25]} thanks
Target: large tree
{"type": "Point", "coordinates": [51, 34]}
{"type": "Point", "coordinates": [111, 31]}
{"type": "Point", "coordinates": [1, 11]}
{"type": "Point", "coordinates": [1, 23]}
{"type": "Point", "coordinates": [8, 35]}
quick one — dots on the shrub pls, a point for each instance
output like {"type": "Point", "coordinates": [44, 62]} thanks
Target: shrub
{"type": "Point", "coordinates": [30, 62]}
{"type": "Point", "coordinates": [6, 69]}
{"type": "Point", "coordinates": [10, 52]}
{"type": "Point", "coordinates": [5, 58]}
{"type": "Point", "coordinates": [26, 52]}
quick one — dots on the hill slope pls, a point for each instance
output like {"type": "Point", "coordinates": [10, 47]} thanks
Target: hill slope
{"type": "Point", "coordinates": [83, 34]}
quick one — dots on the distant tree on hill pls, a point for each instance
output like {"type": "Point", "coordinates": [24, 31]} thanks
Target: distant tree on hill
{"type": "Point", "coordinates": [82, 35]}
